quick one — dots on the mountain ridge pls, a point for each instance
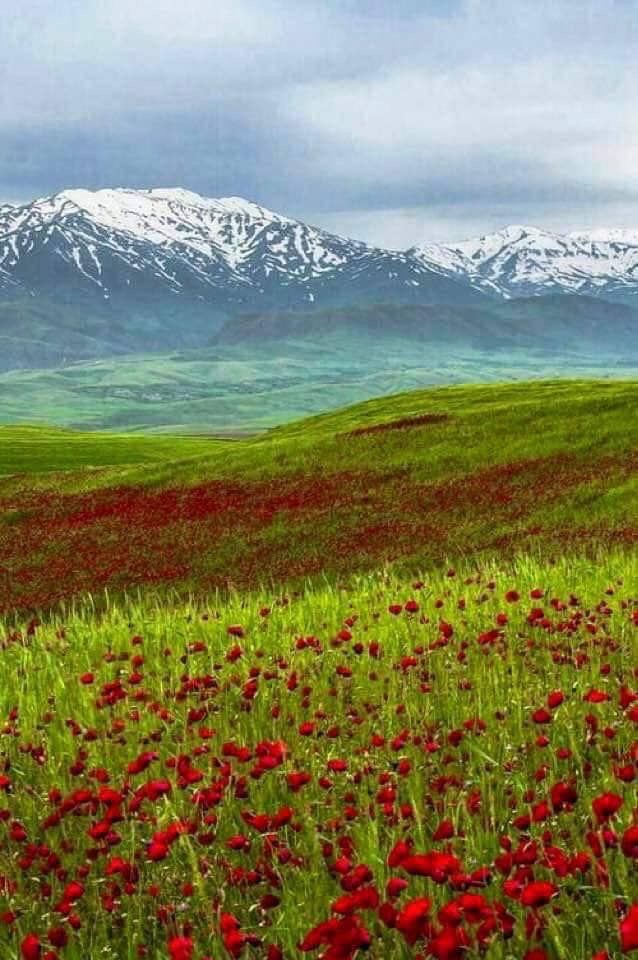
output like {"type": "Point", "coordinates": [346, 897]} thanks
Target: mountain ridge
{"type": "Point", "coordinates": [242, 252]}
{"type": "Point", "coordinates": [522, 261]}
{"type": "Point", "coordinates": [101, 273]}
{"type": "Point", "coordinates": [191, 243]}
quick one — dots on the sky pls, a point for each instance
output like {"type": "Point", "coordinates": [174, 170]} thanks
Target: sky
{"type": "Point", "coordinates": [392, 121]}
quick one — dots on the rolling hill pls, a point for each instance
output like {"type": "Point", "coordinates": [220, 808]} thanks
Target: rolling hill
{"type": "Point", "coordinates": [249, 386]}
{"type": "Point", "coordinates": [554, 322]}
{"type": "Point", "coordinates": [416, 479]}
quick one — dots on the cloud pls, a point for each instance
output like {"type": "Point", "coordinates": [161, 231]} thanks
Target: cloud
{"type": "Point", "coordinates": [358, 113]}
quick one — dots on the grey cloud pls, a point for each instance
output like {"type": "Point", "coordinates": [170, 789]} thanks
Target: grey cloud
{"type": "Point", "coordinates": [366, 115]}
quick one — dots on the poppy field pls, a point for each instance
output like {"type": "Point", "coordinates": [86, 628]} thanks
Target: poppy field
{"type": "Point", "coordinates": [363, 686]}
{"type": "Point", "coordinates": [412, 480]}
{"type": "Point", "coordinates": [438, 768]}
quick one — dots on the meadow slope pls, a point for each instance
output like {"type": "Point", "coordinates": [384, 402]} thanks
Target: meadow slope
{"type": "Point", "coordinates": [35, 449]}
{"type": "Point", "coordinates": [395, 718]}
{"type": "Point", "coordinates": [233, 390]}
{"type": "Point", "coordinates": [415, 479]}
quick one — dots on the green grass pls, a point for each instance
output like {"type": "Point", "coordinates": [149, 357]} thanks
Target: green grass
{"type": "Point", "coordinates": [239, 390]}
{"type": "Point", "coordinates": [545, 466]}
{"type": "Point", "coordinates": [132, 568]}
{"type": "Point", "coordinates": [489, 424]}
{"type": "Point", "coordinates": [31, 449]}
{"type": "Point", "coordinates": [60, 736]}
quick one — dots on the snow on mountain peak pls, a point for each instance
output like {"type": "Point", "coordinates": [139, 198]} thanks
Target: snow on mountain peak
{"type": "Point", "coordinates": [516, 234]}
{"type": "Point", "coordinates": [176, 238]}
{"type": "Point", "coordinates": [179, 238]}
{"type": "Point", "coordinates": [224, 205]}
{"type": "Point", "coordinates": [167, 217]}
{"type": "Point", "coordinates": [117, 202]}
{"type": "Point", "coordinates": [604, 235]}
{"type": "Point", "coordinates": [521, 260]}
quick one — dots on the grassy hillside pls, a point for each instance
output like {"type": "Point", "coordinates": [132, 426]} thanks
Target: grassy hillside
{"type": "Point", "coordinates": [560, 323]}
{"type": "Point", "coordinates": [396, 716]}
{"type": "Point", "coordinates": [236, 390]}
{"type": "Point", "coordinates": [35, 449]}
{"type": "Point", "coordinates": [53, 327]}
{"type": "Point", "coordinates": [442, 768]}
{"type": "Point", "coordinates": [412, 479]}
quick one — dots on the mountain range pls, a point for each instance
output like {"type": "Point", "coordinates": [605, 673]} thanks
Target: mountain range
{"type": "Point", "coordinates": [94, 274]}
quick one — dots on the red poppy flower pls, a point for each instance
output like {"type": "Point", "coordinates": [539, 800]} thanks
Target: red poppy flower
{"type": "Point", "coordinates": [58, 937]}
{"type": "Point", "coordinates": [395, 886]}
{"type": "Point", "coordinates": [399, 852]}
{"type": "Point", "coordinates": [412, 919]}
{"type": "Point", "coordinates": [596, 696]}
{"type": "Point", "coordinates": [444, 831]}
{"type": "Point", "coordinates": [180, 948]}
{"type": "Point", "coordinates": [606, 805]}
{"type": "Point", "coordinates": [542, 716]}
{"type": "Point", "coordinates": [538, 893]}
{"type": "Point", "coordinates": [435, 865]}
{"type": "Point", "coordinates": [365, 898]}
{"type": "Point", "coordinates": [30, 948]}
{"type": "Point", "coordinates": [629, 930]}
{"type": "Point", "coordinates": [629, 842]}
{"type": "Point", "coordinates": [563, 796]}
{"type": "Point", "coordinates": [449, 944]}
{"type": "Point", "coordinates": [337, 765]}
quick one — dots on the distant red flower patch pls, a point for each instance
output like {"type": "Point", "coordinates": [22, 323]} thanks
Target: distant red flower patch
{"type": "Point", "coordinates": [238, 533]}
{"type": "Point", "coordinates": [405, 423]}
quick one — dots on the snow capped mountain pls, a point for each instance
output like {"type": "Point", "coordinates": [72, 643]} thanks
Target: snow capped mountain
{"type": "Point", "coordinates": [141, 245]}
{"type": "Point", "coordinates": [85, 274]}
{"type": "Point", "coordinates": [524, 261]}
{"type": "Point", "coordinates": [221, 251]}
